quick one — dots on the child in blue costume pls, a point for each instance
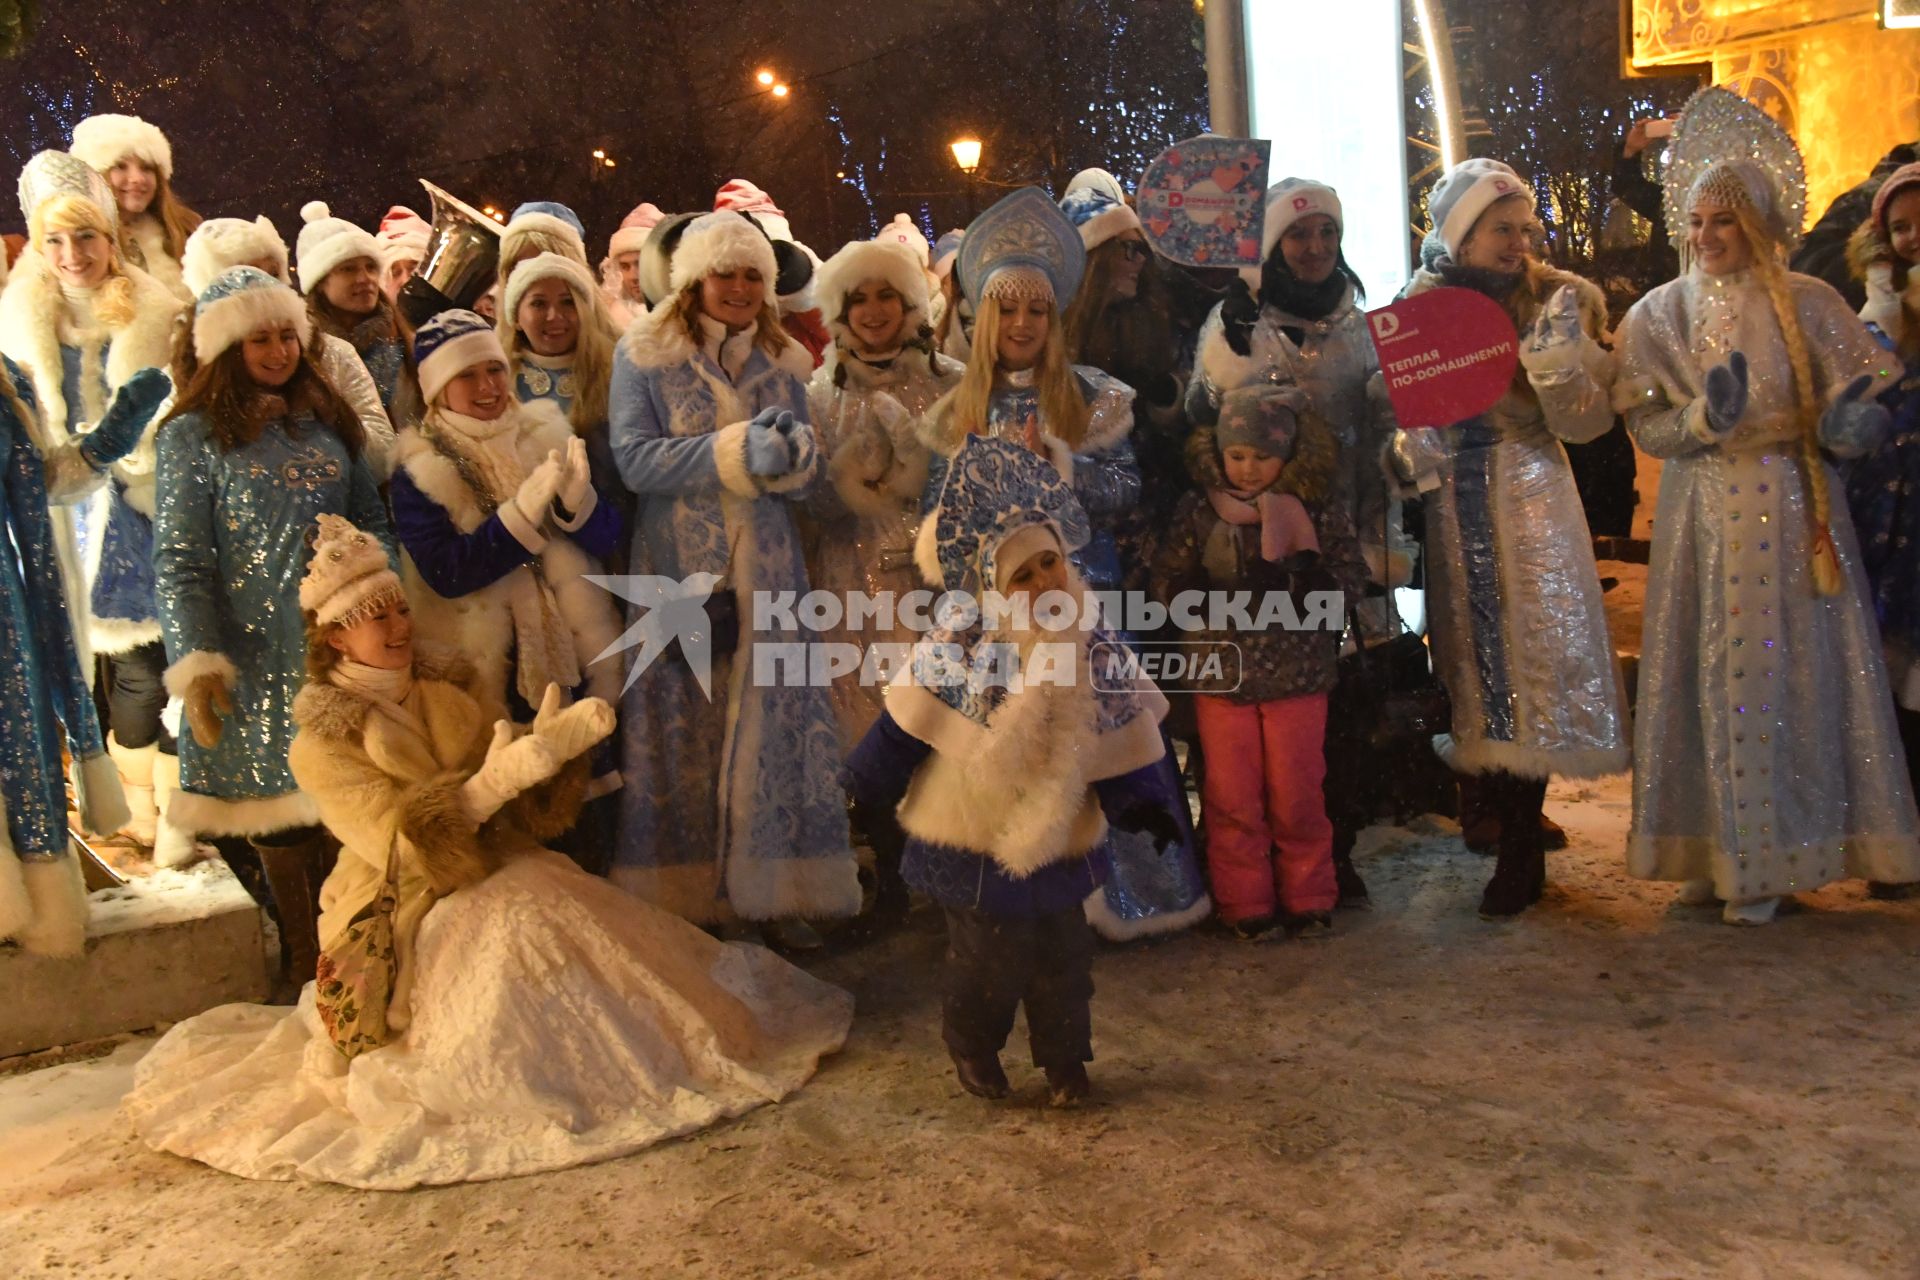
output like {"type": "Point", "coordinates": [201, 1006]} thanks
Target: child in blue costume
{"type": "Point", "coordinates": [1006, 749]}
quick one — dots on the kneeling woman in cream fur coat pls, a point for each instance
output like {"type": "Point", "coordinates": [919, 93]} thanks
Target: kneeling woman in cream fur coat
{"type": "Point", "coordinates": [539, 1017]}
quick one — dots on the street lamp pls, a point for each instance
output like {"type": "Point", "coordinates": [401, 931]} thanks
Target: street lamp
{"type": "Point", "coordinates": [765, 77]}
{"type": "Point", "coordinates": [781, 91]}
{"type": "Point", "coordinates": [966, 154]}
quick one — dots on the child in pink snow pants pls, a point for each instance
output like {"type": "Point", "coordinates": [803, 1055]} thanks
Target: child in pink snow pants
{"type": "Point", "coordinates": [1264, 523]}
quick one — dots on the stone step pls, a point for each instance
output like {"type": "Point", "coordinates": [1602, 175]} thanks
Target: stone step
{"type": "Point", "coordinates": [165, 946]}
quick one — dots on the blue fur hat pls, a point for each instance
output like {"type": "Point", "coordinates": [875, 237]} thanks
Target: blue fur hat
{"type": "Point", "coordinates": [551, 209]}
{"type": "Point", "coordinates": [1023, 247]}
{"type": "Point", "coordinates": [239, 301]}
{"type": "Point", "coordinates": [993, 490]}
{"type": "Point", "coordinates": [450, 342]}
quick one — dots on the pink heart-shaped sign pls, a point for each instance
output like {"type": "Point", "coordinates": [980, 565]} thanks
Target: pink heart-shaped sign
{"type": "Point", "coordinates": [1447, 355]}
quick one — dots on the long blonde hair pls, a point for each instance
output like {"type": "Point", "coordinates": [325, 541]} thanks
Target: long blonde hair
{"type": "Point", "coordinates": [1772, 273]}
{"type": "Point", "coordinates": [592, 356]}
{"type": "Point", "coordinates": [113, 300]}
{"type": "Point", "coordinates": [1063, 410]}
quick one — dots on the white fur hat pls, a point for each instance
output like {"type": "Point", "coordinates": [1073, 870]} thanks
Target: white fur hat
{"type": "Point", "coordinates": [1466, 192]}
{"type": "Point", "coordinates": [326, 242]}
{"type": "Point", "coordinates": [348, 577]}
{"type": "Point", "coordinates": [103, 141]}
{"type": "Point", "coordinates": [718, 242]}
{"type": "Point", "coordinates": [1292, 199]}
{"type": "Point", "coordinates": [1096, 180]}
{"type": "Point", "coordinates": [238, 301]}
{"type": "Point", "coordinates": [545, 266]}
{"type": "Point", "coordinates": [219, 243]}
{"type": "Point", "coordinates": [872, 260]}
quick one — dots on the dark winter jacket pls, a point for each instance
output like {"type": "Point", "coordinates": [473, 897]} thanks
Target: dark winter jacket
{"type": "Point", "coordinates": [1274, 663]}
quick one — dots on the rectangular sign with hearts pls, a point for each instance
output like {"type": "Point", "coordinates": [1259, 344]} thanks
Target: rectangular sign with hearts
{"type": "Point", "coordinates": [1447, 355]}
{"type": "Point", "coordinates": [1201, 201]}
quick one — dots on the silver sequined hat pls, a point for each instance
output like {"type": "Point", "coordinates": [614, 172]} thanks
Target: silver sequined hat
{"type": "Point", "coordinates": [1726, 152]}
{"type": "Point", "coordinates": [55, 173]}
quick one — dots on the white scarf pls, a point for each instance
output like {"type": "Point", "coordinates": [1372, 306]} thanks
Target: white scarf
{"type": "Point", "coordinates": [389, 690]}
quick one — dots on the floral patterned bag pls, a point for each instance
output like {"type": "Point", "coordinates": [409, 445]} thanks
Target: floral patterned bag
{"type": "Point", "coordinates": [355, 977]}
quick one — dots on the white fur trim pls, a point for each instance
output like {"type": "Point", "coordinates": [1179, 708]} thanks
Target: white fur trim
{"type": "Point", "coordinates": [57, 897]}
{"type": "Point", "coordinates": [546, 266]}
{"type": "Point", "coordinates": [730, 461]}
{"type": "Point", "coordinates": [230, 320]}
{"type": "Point", "coordinates": [1107, 224]}
{"type": "Point", "coordinates": [657, 340]}
{"type": "Point", "coordinates": [448, 360]}
{"type": "Point", "coordinates": [197, 814]}
{"type": "Point", "coordinates": [926, 549]}
{"type": "Point", "coordinates": [120, 635]}
{"type": "Point", "coordinates": [1019, 546]}
{"type": "Point", "coordinates": [794, 888]}
{"type": "Point", "coordinates": [173, 847]}
{"type": "Point", "coordinates": [100, 798]}
{"type": "Point", "coordinates": [1224, 368]}
{"type": "Point", "coordinates": [322, 248]}
{"type": "Point", "coordinates": [871, 260]}
{"type": "Point", "coordinates": [1699, 427]}
{"type": "Point", "coordinates": [203, 662]}
{"type": "Point", "coordinates": [220, 243]}
{"type": "Point", "coordinates": [1482, 755]}
{"type": "Point", "coordinates": [581, 516]}
{"type": "Point", "coordinates": [523, 529]}
{"type": "Point", "coordinates": [844, 472]}
{"type": "Point", "coordinates": [1060, 454]}
{"type": "Point", "coordinates": [103, 141]}
{"type": "Point", "coordinates": [543, 224]}
{"type": "Point", "coordinates": [1111, 927]}
{"type": "Point", "coordinates": [718, 242]}
{"type": "Point", "coordinates": [627, 240]}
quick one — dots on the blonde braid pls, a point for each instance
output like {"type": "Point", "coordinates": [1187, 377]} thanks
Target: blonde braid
{"type": "Point", "coordinates": [1826, 561]}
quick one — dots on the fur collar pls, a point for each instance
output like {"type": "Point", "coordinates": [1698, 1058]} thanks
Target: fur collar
{"type": "Point", "coordinates": [539, 426]}
{"type": "Point", "coordinates": [657, 340]}
{"type": "Point", "coordinates": [29, 333]}
{"type": "Point", "coordinates": [328, 711]}
{"type": "Point", "coordinates": [1541, 282]}
{"type": "Point", "coordinates": [1308, 477]}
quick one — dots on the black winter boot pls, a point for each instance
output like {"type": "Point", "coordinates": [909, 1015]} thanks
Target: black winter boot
{"type": "Point", "coordinates": [296, 864]}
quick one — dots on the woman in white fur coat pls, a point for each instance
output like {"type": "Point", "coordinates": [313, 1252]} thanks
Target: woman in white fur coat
{"type": "Point", "coordinates": [537, 1018]}
{"type": "Point", "coordinates": [733, 806]}
{"type": "Point", "coordinates": [497, 514]}
{"type": "Point", "coordinates": [879, 377]}
{"type": "Point", "coordinates": [137, 161]}
{"type": "Point", "coordinates": [220, 243]}
{"type": "Point", "coordinates": [81, 322]}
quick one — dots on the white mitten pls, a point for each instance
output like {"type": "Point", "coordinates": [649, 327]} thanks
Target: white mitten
{"type": "Point", "coordinates": [1419, 455]}
{"type": "Point", "coordinates": [571, 730]}
{"type": "Point", "coordinates": [537, 491]}
{"type": "Point", "coordinates": [512, 765]}
{"type": "Point", "coordinates": [1555, 346]}
{"type": "Point", "coordinates": [576, 478]}
{"type": "Point", "coordinates": [1883, 304]}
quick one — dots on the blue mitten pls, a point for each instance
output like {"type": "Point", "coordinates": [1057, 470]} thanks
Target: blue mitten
{"type": "Point", "coordinates": [121, 426]}
{"type": "Point", "coordinates": [769, 453]}
{"type": "Point", "coordinates": [1727, 393]}
{"type": "Point", "coordinates": [1851, 428]}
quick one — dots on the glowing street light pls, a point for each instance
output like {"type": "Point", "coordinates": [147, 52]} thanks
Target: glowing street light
{"type": "Point", "coordinates": [765, 77]}
{"type": "Point", "coordinates": [781, 91]}
{"type": "Point", "coordinates": [607, 161]}
{"type": "Point", "coordinates": [966, 154]}
{"type": "Point", "coordinates": [598, 154]}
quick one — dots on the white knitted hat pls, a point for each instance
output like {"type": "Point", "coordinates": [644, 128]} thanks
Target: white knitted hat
{"type": "Point", "coordinates": [1466, 192]}
{"type": "Point", "coordinates": [545, 266]}
{"type": "Point", "coordinates": [349, 576]}
{"type": "Point", "coordinates": [326, 242]}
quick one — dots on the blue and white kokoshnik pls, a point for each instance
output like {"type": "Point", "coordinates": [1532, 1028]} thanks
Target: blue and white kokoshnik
{"type": "Point", "coordinates": [1026, 239]}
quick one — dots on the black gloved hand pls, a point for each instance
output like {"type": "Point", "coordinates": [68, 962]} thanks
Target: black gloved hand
{"type": "Point", "coordinates": [1163, 390]}
{"type": "Point", "coordinates": [1238, 310]}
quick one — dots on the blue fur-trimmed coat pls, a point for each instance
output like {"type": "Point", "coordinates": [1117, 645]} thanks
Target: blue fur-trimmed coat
{"type": "Point", "coordinates": [732, 803]}
{"type": "Point", "coordinates": [48, 699]}
{"type": "Point", "coordinates": [230, 548]}
{"type": "Point", "coordinates": [104, 534]}
{"type": "Point", "coordinates": [463, 561]}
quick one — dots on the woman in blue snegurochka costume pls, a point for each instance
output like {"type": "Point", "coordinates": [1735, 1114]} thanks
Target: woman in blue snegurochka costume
{"type": "Point", "coordinates": [732, 807]}
{"type": "Point", "coordinates": [43, 901]}
{"type": "Point", "coordinates": [258, 445]}
{"type": "Point", "coordinates": [340, 272]}
{"type": "Point", "coordinates": [82, 323]}
{"type": "Point", "coordinates": [1020, 264]}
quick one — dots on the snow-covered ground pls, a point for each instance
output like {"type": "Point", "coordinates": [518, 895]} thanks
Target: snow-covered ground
{"type": "Point", "coordinates": [1611, 1085]}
